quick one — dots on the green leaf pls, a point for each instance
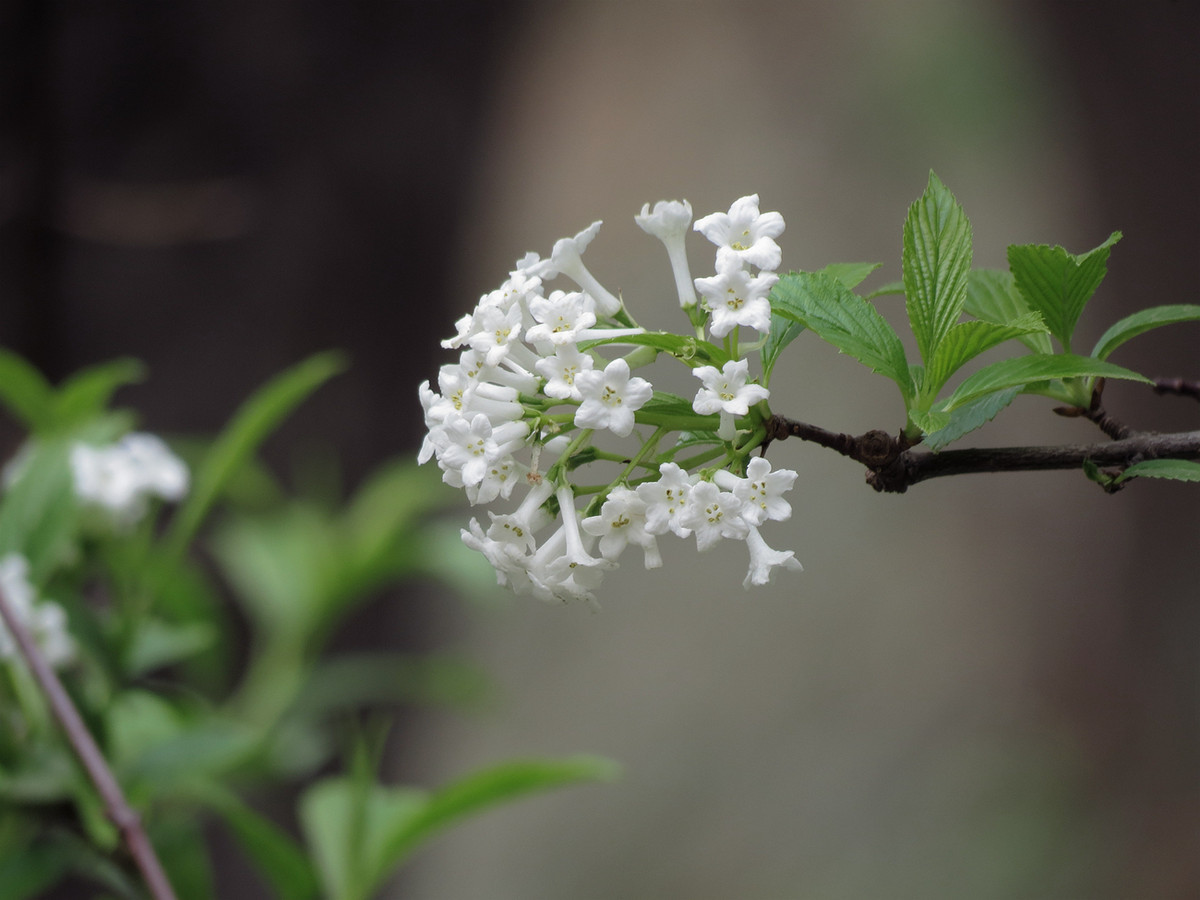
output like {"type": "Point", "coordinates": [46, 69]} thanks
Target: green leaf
{"type": "Point", "coordinates": [342, 823]}
{"type": "Point", "coordinates": [1141, 322]}
{"type": "Point", "coordinates": [391, 822]}
{"type": "Point", "coordinates": [274, 853]}
{"type": "Point", "coordinates": [836, 315]}
{"type": "Point", "coordinates": [1024, 370]}
{"type": "Point", "coordinates": [87, 393]}
{"type": "Point", "coordinates": [157, 643]}
{"type": "Point", "coordinates": [1059, 284]}
{"type": "Point", "coordinates": [891, 289]}
{"type": "Point", "coordinates": [1175, 469]}
{"type": "Point", "coordinates": [28, 872]}
{"type": "Point", "coordinates": [936, 260]}
{"type": "Point", "coordinates": [257, 417]}
{"type": "Point", "coordinates": [785, 330]}
{"type": "Point", "coordinates": [969, 416]}
{"type": "Point", "coordinates": [992, 295]}
{"type": "Point", "coordinates": [851, 275]}
{"type": "Point", "coordinates": [490, 787]}
{"type": "Point", "coordinates": [929, 421]}
{"type": "Point", "coordinates": [25, 391]}
{"type": "Point", "coordinates": [966, 340]}
{"type": "Point", "coordinates": [39, 513]}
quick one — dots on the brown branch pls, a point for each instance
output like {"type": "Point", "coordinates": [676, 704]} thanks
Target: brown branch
{"type": "Point", "coordinates": [1179, 386]}
{"type": "Point", "coordinates": [1096, 412]}
{"type": "Point", "coordinates": [126, 819]}
{"type": "Point", "coordinates": [894, 464]}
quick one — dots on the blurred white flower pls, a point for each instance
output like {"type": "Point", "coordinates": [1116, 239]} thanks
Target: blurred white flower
{"type": "Point", "coordinates": [120, 478]}
{"type": "Point", "coordinates": [45, 621]}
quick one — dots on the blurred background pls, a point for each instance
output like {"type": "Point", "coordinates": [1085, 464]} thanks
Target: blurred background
{"type": "Point", "coordinates": [987, 687]}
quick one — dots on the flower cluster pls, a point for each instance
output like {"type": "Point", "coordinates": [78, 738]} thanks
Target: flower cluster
{"type": "Point", "coordinates": [45, 620]}
{"type": "Point", "coordinates": [534, 389]}
{"type": "Point", "coordinates": [120, 478]}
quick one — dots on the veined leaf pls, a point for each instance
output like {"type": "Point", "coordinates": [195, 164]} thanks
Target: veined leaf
{"type": "Point", "coordinates": [851, 275]}
{"type": "Point", "coordinates": [841, 317]}
{"type": "Point", "coordinates": [1059, 284]}
{"type": "Point", "coordinates": [785, 330]}
{"type": "Point", "coordinates": [936, 260]}
{"type": "Point", "coordinates": [930, 420]}
{"type": "Point", "coordinates": [252, 423]}
{"type": "Point", "coordinates": [1176, 469]}
{"type": "Point", "coordinates": [966, 340]}
{"type": "Point", "coordinates": [1024, 370]}
{"type": "Point", "coordinates": [992, 295]}
{"type": "Point", "coordinates": [890, 289]}
{"type": "Point", "coordinates": [969, 416]}
{"type": "Point", "coordinates": [1141, 322]}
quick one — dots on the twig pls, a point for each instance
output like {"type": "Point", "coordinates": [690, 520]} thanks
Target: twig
{"type": "Point", "coordinates": [119, 811]}
{"type": "Point", "coordinates": [894, 465]}
{"type": "Point", "coordinates": [1180, 386]}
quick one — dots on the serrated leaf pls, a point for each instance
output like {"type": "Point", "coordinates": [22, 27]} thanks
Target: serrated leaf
{"type": "Point", "coordinates": [851, 275]}
{"type": "Point", "coordinates": [1025, 370]}
{"type": "Point", "coordinates": [785, 330]}
{"type": "Point", "coordinates": [936, 260]}
{"type": "Point", "coordinates": [1175, 469]}
{"type": "Point", "coordinates": [842, 318]}
{"type": "Point", "coordinates": [254, 420]}
{"type": "Point", "coordinates": [1059, 284]}
{"type": "Point", "coordinates": [992, 295]}
{"type": "Point", "coordinates": [891, 289]}
{"type": "Point", "coordinates": [930, 420]}
{"type": "Point", "coordinates": [1141, 322]}
{"type": "Point", "coordinates": [966, 340]}
{"type": "Point", "coordinates": [970, 416]}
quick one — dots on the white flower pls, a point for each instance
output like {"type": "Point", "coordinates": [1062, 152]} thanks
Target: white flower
{"type": "Point", "coordinates": [494, 330]}
{"type": "Point", "coordinates": [762, 490]}
{"type": "Point", "coordinates": [610, 398]}
{"type": "Point", "coordinates": [763, 560]}
{"type": "Point", "coordinates": [725, 391]}
{"type": "Point", "coordinates": [622, 520]}
{"type": "Point", "coordinates": [713, 514]}
{"type": "Point", "coordinates": [560, 317]}
{"type": "Point", "coordinates": [561, 369]}
{"type": "Point", "coordinates": [735, 298]}
{"type": "Point", "coordinates": [45, 621]}
{"type": "Point", "coordinates": [121, 477]}
{"type": "Point", "coordinates": [669, 222]}
{"type": "Point", "coordinates": [666, 500]}
{"type": "Point", "coordinates": [745, 235]}
{"type": "Point", "coordinates": [567, 259]}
